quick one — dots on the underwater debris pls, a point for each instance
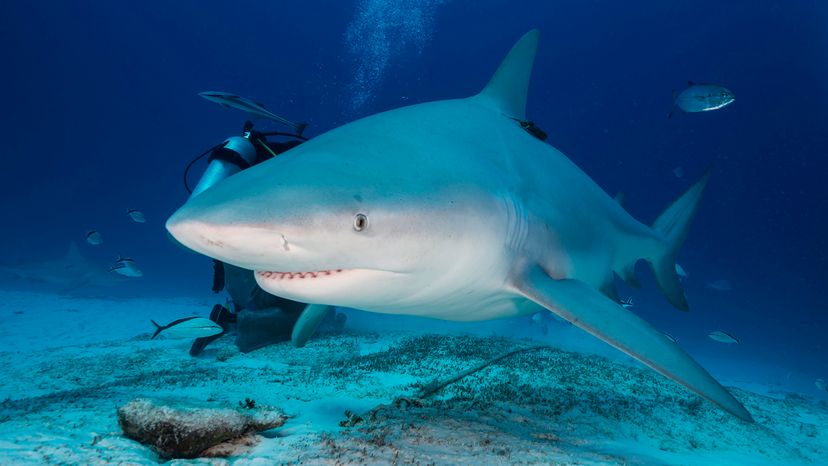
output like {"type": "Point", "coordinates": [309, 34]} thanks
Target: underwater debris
{"type": "Point", "coordinates": [190, 432]}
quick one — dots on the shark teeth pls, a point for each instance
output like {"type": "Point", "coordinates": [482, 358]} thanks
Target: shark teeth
{"type": "Point", "coordinates": [299, 275]}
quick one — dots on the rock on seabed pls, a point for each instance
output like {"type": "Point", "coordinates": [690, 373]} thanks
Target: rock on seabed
{"type": "Point", "coordinates": [189, 432]}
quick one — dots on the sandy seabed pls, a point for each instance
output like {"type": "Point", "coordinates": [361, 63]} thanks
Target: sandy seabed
{"type": "Point", "coordinates": [69, 363]}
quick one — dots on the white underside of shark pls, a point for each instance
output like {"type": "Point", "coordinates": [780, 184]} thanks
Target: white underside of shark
{"type": "Point", "coordinates": [450, 210]}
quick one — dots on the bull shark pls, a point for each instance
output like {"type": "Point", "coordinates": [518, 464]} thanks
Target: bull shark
{"type": "Point", "coordinates": [451, 210]}
{"type": "Point", "coordinates": [70, 273]}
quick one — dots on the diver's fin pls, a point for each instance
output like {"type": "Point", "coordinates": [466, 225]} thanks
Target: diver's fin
{"type": "Point", "coordinates": [307, 323]}
{"type": "Point", "coordinates": [673, 225]}
{"type": "Point", "coordinates": [158, 329]}
{"type": "Point", "coordinates": [585, 307]}
{"type": "Point", "coordinates": [507, 90]}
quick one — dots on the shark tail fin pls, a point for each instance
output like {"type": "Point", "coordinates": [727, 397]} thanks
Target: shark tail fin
{"type": "Point", "coordinates": [158, 329]}
{"type": "Point", "coordinates": [672, 225]}
{"type": "Point", "coordinates": [507, 90]}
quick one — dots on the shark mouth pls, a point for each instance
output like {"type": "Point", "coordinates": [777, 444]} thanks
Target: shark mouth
{"type": "Point", "coordinates": [297, 275]}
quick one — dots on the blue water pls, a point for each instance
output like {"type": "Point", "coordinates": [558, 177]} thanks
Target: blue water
{"type": "Point", "coordinates": [101, 114]}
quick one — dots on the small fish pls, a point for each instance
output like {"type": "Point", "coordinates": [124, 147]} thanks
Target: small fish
{"type": "Point", "coordinates": [722, 337]}
{"type": "Point", "coordinates": [626, 303]}
{"type": "Point", "coordinates": [93, 237]}
{"type": "Point", "coordinates": [821, 385]}
{"type": "Point", "coordinates": [136, 216]}
{"type": "Point", "coordinates": [719, 285]}
{"type": "Point", "coordinates": [126, 267]}
{"type": "Point", "coordinates": [537, 318]}
{"type": "Point", "coordinates": [679, 172]}
{"type": "Point", "coordinates": [681, 272]}
{"type": "Point", "coordinates": [701, 98]}
{"type": "Point", "coordinates": [228, 100]}
{"type": "Point", "coordinates": [188, 327]}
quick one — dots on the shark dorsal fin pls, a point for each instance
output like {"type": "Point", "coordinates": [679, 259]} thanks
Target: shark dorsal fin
{"type": "Point", "coordinates": [507, 89]}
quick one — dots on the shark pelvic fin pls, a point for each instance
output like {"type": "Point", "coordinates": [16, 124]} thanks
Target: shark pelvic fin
{"type": "Point", "coordinates": [672, 225]}
{"type": "Point", "coordinates": [507, 90]}
{"type": "Point", "coordinates": [590, 310]}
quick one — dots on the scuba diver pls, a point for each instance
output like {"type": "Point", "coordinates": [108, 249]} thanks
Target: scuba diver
{"type": "Point", "coordinates": [259, 318]}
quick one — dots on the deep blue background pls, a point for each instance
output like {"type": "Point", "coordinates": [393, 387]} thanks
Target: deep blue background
{"type": "Point", "coordinates": [100, 114]}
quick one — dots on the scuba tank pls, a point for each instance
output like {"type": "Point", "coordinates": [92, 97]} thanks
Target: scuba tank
{"type": "Point", "coordinates": [231, 157]}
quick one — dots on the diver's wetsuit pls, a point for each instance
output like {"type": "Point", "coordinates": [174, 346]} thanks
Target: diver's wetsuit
{"type": "Point", "coordinates": [261, 318]}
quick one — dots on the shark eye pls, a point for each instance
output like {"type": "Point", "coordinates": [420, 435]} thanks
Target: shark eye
{"type": "Point", "coordinates": [360, 222]}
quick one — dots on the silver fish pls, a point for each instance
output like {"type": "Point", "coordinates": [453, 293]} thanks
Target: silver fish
{"type": "Point", "coordinates": [136, 216]}
{"type": "Point", "coordinates": [94, 237]}
{"type": "Point", "coordinates": [821, 385]}
{"type": "Point", "coordinates": [126, 267]}
{"type": "Point", "coordinates": [188, 327]}
{"type": "Point", "coordinates": [700, 97]}
{"type": "Point", "coordinates": [722, 337]}
{"type": "Point", "coordinates": [228, 100]}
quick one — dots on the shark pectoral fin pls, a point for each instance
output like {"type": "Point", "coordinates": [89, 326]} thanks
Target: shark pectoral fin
{"type": "Point", "coordinates": [590, 310]}
{"type": "Point", "coordinates": [310, 319]}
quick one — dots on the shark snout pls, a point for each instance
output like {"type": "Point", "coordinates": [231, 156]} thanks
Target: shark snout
{"type": "Point", "coordinates": [245, 244]}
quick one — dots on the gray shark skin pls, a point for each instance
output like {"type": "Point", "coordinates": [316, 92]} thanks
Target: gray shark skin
{"type": "Point", "coordinates": [69, 274]}
{"type": "Point", "coordinates": [450, 210]}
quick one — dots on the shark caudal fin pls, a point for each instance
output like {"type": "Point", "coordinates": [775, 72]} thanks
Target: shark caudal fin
{"type": "Point", "coordinates": [672, 225]}
{"type": "Point", "coordinates": [506, 91]}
